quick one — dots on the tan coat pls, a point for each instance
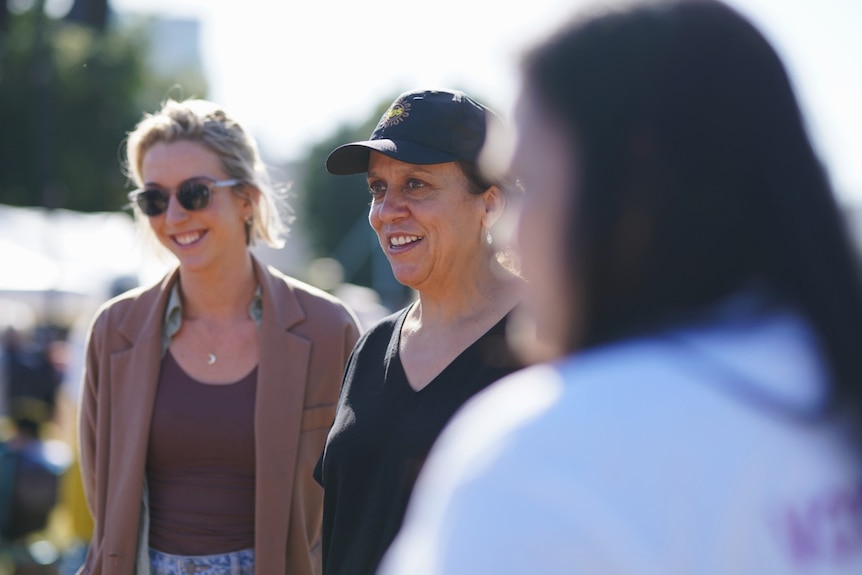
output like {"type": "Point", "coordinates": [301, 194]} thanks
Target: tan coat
{"type": "Point", "coordinates": [306, 337]}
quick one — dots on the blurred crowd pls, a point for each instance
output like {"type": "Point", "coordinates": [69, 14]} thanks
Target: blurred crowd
{"type": "Point", "coordinates": [44, 524]}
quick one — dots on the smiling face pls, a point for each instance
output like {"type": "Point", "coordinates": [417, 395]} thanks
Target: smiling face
{"type": "Point", "coordinates": [546, 165]}
{"type": "Point", "coordinates": [202, 239]}
{"type": "Point", "coordinates": [430, 226]}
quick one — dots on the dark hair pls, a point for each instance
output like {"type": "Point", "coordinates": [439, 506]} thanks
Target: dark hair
{"type": "Point", "coordinates": [696, 177]}
{"type": "Point", "coordinates": [478, 181]}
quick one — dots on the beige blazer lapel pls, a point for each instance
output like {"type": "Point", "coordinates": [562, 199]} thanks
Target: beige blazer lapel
{"type": "Point", "coordinates": [282, 374]}
{"type": "Point", "coordinates": [134, 380]}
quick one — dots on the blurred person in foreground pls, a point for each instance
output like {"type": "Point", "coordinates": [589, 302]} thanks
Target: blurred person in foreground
{"type": "Point", "coordinates": [434, 213]}
{"type": "Point", "coordinates": [207, 396]}
{"type": "Point", "coordinates": [689, 272]}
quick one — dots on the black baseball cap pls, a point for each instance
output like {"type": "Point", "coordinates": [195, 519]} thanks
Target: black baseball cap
{"type": "Point", "coordinates": [420, 127]}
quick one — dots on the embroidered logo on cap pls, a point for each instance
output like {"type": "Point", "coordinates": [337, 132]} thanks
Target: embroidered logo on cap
{"type": "Point", "coordinates": [395, 114]}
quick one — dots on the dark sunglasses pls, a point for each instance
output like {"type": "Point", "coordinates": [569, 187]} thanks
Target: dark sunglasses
{"type": "Point", "coordinates": [193, 195]}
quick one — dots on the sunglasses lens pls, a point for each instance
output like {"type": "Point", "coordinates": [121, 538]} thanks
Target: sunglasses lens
{"type": "Point", "coordinates": [191, 195]}
{"type": "Point", "coordinates": [152, 202]}
{"type": "Point", "coordinates": [194, 195]}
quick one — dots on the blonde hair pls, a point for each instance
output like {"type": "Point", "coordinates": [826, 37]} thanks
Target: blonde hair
{"type": "Point", "coordinates": [205, 122]}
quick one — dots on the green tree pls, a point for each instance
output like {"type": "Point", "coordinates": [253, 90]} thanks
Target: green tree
{"type": "Point", "coordinates": [333, 212]}
{"type": "Point", "coordinates": [68, 95]}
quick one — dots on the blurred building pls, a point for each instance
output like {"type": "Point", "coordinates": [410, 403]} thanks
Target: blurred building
{"type": "Point", "coordinates": [57, 262]}
{"type": "Point", "coordinates": [175, 45]}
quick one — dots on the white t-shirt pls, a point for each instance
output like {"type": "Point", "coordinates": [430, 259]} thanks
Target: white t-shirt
{"type": "Point", "coordinates": [688, 453]}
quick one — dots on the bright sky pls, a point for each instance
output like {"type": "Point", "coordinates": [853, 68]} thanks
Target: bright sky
{"type": "Point", "coordinates": [293, 71]}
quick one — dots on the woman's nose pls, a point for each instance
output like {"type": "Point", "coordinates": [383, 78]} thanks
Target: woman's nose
{"type": "Point", "coordinates": [175, 211]}
{"type": "Point", "coordinates": [392, 206]}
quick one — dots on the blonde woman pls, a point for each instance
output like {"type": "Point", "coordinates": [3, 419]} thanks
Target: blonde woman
{"type": "Point", "coordinates": [207, 396]}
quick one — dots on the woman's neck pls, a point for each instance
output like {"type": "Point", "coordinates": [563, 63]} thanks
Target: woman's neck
{"type": "Point", "coordinates": [495, 294]}
{"type": "Point", "coordinates": [223, 295]}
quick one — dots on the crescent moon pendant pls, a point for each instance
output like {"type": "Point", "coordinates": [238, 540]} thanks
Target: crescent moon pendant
{"type": "Point", "coordinates": [211, 359]}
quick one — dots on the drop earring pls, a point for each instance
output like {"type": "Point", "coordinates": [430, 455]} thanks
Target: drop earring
{"type": "Point", "coordinates": [248, 222]}
{"type": "Point", "coordinates": [488, 237]}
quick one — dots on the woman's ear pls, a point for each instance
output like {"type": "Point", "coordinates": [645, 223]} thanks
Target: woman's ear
{"type": "Point", "coordinates": [495, 203]}
{"type": "Point", "coordinates": [250, 196]}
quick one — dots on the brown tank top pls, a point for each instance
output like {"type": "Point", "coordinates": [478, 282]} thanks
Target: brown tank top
{"type": "Point", "coordinates": [200, 464]}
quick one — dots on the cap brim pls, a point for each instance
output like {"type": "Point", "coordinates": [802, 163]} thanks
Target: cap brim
{"type": "Point", "coordinates": [353, 158]}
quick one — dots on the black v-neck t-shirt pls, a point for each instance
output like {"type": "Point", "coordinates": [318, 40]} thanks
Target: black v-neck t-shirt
{"type": "Point", "coordinates": [382, 433]}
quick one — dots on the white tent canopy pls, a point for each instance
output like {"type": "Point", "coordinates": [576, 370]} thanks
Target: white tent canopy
{"type": "Point", "coordinates": [42, 273]}
{"type": "Point", "coordinates": [58, 262]}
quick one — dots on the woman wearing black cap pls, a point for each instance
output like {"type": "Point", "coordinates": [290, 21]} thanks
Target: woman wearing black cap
{"type": "Point", "coordinates": [434, 212]}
